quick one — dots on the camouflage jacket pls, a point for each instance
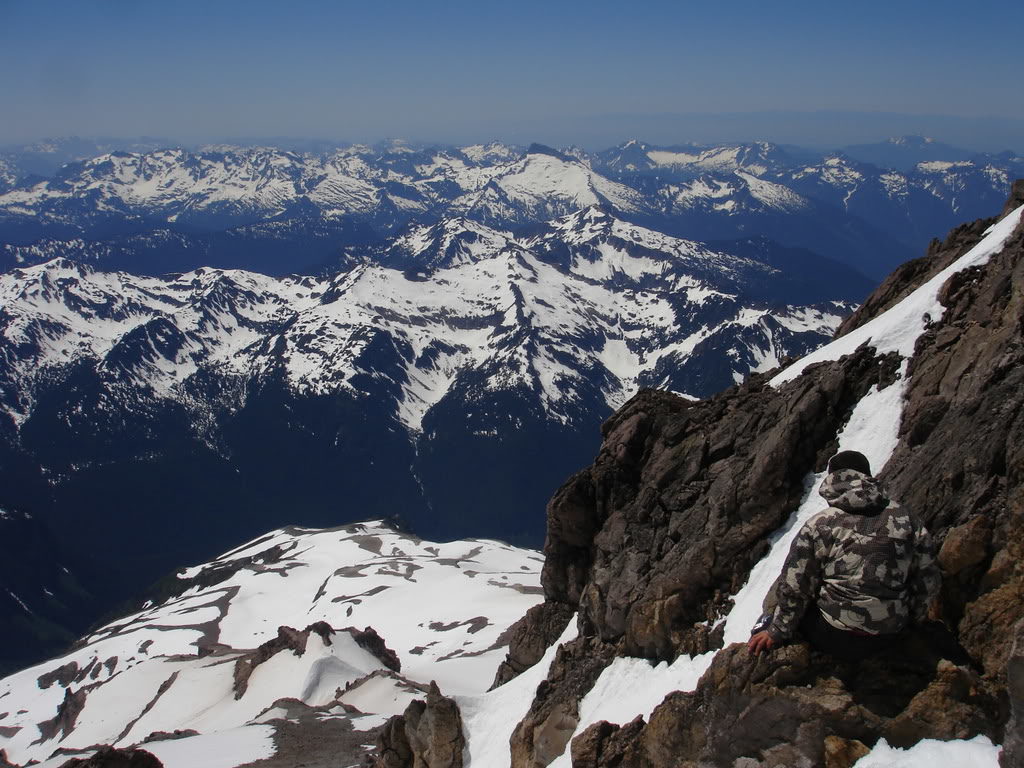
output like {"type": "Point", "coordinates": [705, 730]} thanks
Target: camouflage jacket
{"type": "Point", "coordinates": [867, 564]}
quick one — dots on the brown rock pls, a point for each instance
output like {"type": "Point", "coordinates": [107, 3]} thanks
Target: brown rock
{"type": "Point", "coordinates": [67, 714]}
{"type": "Point", "coordinates": [955, 705]}
{"type": "Point", "coordinates": [606, 745]}
{"type": "Point", "coordinates": [531, 636]}
{"type": "Point", "coordinates": [369, 640]}
{"type": "Point", "coordinates": [965, 545]}
{"type": "Point", "coordinates": [392, 748]}
{"type": "Point", "coordinates": [554, 713]}
{"type": "Point", "coordinates": [843, 753]}
{"type": "Point", "coordinates": [1012, 755]}
{"type": "Point", "coordinates": [428, 735]}
{"type": "Point", "coordinates": [288, 639]}
{"type": "Point", "coordinates": [108, 757]}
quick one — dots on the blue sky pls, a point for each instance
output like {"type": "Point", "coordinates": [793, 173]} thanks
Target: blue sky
{"type": "Point", "coordinates": [516, 70]}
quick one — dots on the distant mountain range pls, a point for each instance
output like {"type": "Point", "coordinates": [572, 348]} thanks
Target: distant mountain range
{"type": "Point", "coordinates": [154, 210]}
{"type": "Point", "coordinates": [197, 345]}
{"type": "Point", "coordinates": [454, 377]}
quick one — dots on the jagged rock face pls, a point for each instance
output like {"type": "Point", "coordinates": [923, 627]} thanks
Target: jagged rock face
{"type": "Point", "coordinates": [960, 462]}
{"type": "Point", "coordinates": [822, 711]}
{"type": "Point", "coordinates": [653, 540]}
{"type": "Point", "coordinates": [530, 637]}
{"type": "Point", "coordinates": [654, 537]}
{"type": "Point", "coordinates": [554, 713]}
{"type": "Point", "coordinates": [428, 735]}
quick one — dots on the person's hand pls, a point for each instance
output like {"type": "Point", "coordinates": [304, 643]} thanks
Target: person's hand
{"type": "Point", "coordinates": [762, 641]}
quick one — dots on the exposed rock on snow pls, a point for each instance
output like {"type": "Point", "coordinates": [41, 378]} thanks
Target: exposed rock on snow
{"type": "Point", "coordinates": [212, 667]}
{"type": "Point", "coordinates": [531, 636]}
{"type": "Point", "coordinates": [108, 757]}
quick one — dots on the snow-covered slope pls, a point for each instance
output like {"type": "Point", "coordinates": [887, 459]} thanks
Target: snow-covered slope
{"type": "Point", "coordinates": [207, 658]}
{"type": "Point", "coordinates": [757, 158]}
{"type": "Point", "coordinates": [592, 301]}
{"type": "Point", "coordinates": [543, 185]}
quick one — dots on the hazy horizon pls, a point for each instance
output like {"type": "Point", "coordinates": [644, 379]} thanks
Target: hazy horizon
{"type": "Point", "coordinates": [587, 73]}
{"type": "Point", "coordinates": [805, 130]}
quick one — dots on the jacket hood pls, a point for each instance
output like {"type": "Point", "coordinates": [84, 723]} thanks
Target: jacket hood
{"type": "Point", "coordinates": [854, 492]}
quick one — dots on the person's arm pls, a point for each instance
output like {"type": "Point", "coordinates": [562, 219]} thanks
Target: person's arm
{"type": "Point", "coordinates": [798, 584]}
{"type": "Point", "coordinates": [925, 580]}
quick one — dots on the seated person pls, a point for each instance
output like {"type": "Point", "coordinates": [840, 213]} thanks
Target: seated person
{"type": "Point", "coordinates": [858, 573]}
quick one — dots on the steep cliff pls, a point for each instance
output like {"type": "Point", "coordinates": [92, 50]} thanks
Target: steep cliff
{"type": "Point", "coordinates": [657, 545]}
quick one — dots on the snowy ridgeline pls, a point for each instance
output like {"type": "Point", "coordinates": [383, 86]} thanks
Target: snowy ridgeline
{"type": "Point", "coordinates": [175, 665]}
{"type": "Point", "coordinates": [187, 663]}
{"type": "Point", "coordinates": [626, 307]}
{"type": "Point", "coordinates": [492, 183]}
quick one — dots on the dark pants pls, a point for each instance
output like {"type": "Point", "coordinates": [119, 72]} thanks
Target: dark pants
{"type": "Point", "coordinates": [841, 645]}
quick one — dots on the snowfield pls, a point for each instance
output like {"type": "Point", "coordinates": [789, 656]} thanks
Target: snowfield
{"type": "Point", "coordinates": [174, 665]}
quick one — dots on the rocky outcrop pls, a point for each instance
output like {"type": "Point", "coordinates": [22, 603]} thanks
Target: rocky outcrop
{"type": "Point", "coordinates": [651, 542]}
{"type": "Point", "coordinates": [1013, 744]}
{"type": "Point", "coordinates": [288, 639]}
{"type": "Point", "coordinates": [370, 641]}
{"type": "Point", "coordinates": [960, 460]}
{"type": "Point", "coordinates": [554, 713]}
{"type": "Point", "coordinates": [109, 757]}
{"type": "Point", "coordinates": [530, 637]}
{"type": "Point", "coordinates": [797, 707]}
{"type": "Point", "coordinates": [653, 539]}
{"type": "Point", "coordinates": [428, 735]}
{"type": "Point", "coordinates": [67, 713]}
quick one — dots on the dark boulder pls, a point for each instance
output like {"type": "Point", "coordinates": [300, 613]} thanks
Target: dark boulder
{"type": "Point", "coordinates": [109, 757]}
